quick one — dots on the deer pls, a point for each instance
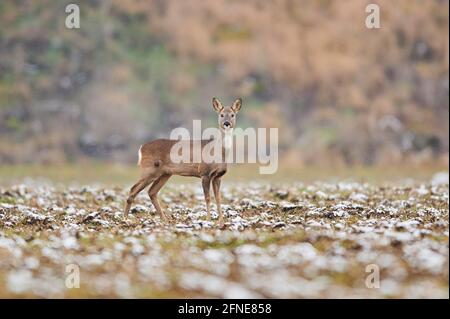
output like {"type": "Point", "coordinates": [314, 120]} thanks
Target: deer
{"type": "Point", "coordinates": [156, 166]}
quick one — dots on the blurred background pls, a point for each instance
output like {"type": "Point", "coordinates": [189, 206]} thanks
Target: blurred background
{"type": "Point", "coordinates": [341, 95]}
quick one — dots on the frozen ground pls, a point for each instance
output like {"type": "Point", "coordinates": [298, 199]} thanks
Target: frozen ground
{"type": "Point", "coordinates": [293, 241]}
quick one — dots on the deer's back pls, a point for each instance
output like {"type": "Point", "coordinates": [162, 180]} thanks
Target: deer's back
{"type": "Point", "coordinates": [157, 154]}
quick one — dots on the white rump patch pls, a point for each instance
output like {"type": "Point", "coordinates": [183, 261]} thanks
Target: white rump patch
{"type": "Point", "coordinates": [139, 156]}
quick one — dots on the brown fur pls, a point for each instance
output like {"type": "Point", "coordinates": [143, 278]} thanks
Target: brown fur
{"type": "Point", "coordinates": [157, 167]}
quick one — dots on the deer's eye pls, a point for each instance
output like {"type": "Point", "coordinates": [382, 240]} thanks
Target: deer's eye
{"type": "Point", "coordinates": [221, 115]}
{"type": "Point", "coordinates": [232, 115]}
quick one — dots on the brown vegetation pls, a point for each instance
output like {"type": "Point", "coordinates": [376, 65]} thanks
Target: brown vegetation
{"type": "Point", "coordinates": [339, 92]}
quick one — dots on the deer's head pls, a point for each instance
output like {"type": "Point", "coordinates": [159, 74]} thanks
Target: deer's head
{"type": "Point", "coordinates": [227, 114]}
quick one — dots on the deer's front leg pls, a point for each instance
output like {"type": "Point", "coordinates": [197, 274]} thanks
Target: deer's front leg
{"type": "Point", "coordinates": [135, 190]}
{"type": "Point", "coordinates": [206, 182]}
{"type": "Point", "coordinates": [216, 189]}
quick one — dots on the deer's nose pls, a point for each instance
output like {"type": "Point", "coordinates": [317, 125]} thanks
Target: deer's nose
{"type": "Point", "coordinates": [226, 124]}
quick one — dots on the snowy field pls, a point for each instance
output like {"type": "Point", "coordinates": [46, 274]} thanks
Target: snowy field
{"type": "Point", "coordinates": [318, 240]}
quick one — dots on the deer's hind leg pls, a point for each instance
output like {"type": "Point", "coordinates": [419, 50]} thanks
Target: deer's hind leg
{"type": "Point", "coordinates": [135, 190]}
{"type": "Point", "coordinates": [153, 193]}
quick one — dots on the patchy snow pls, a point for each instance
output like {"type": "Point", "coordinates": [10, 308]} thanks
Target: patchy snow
{"type": "Point", "coordinates": [297, 241]}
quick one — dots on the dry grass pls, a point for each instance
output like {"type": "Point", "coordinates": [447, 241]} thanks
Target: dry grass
{"type": "Point", "coordinates": [116, 174]}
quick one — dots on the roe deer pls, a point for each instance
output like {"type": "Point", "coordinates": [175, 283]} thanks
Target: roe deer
{"type": "Point", "coordinates": [157, 167]}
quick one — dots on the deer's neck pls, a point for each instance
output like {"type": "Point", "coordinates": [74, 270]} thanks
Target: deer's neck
{"type": "Point", "coordinates": [227, 139]}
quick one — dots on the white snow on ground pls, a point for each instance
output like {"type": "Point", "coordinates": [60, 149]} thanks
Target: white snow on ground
{"type": "Point", "coordinates": [291, 242]}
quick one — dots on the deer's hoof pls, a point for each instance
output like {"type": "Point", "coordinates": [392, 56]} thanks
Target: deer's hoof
{"type": "Point", "coordinates": [167, 219]}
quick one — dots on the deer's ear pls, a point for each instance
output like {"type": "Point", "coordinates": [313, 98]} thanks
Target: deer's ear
{"type": "Point", "coordinates": [217, 105]}
{"type": "Point", "coordinates": [237, 105]}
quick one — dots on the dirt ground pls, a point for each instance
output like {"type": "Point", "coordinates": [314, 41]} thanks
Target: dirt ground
{"type": "Point", "coordinates": [289, 240]}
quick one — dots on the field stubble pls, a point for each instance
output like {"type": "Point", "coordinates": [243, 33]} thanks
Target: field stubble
{"type": "Point", "coordinates": [285, 240]}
